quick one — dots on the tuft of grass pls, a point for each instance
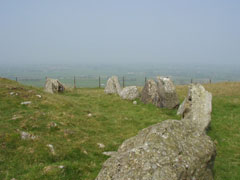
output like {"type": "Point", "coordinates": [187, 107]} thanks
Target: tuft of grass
{"type": "Point", "coordinates": [62, 120]}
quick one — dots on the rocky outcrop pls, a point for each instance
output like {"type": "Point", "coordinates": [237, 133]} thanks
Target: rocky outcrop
{"type": "Point", "coordinates": [150, 93]}
{"type": "Point", "coordinates": [129, 93]}
{"type": "Point", "coordinates": [170, 150]}
{"type": "Point", "coordinates": [197, 107]}
{"type": "Point", "coordinates": [167, 93]}
{"type": "Point", "coordinates": [161, 93]}
{"type": "Point", "coordinates": [113, 86]}
{"type": "Point", "coordinates": [53, 86]}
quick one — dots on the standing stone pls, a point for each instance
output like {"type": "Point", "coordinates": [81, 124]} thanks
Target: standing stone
{"type": "Point", "coordinates": [53, 86]}
{"type": "Point", "coordinates": [113, 86]}
{"type": "Point", "coordinates": [167, 93]}
{"type": "Point", "coordinates": [170, 150]}
{"type": "Point", "coordinates": [150, 93]}
{"type": "Point", "coordinates": [197, 107]}
{"type": "Point", "coordinates": [129, 93]}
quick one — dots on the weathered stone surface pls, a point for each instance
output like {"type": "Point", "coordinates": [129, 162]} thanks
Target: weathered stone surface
{"type": "Point", "coordinates": [150, 93]}
{"type": "Point", "coordinates": [167, 93]}
{"type": "Point", "coordinates": [113, 86]}
{"type": "Point", "coordinates": [129, 93]}
{"type": "Point", "coordinates": [171, 150]}
{"type": "Point", "coordinates": [197, 107]}
{"type": "Point", "coordinates": [53, 86]}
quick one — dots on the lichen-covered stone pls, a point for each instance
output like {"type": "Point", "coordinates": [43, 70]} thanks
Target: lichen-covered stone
{"type": "Point", "coordinates": [113, 86]}
{"type": "Point", "coordinates": [150, 93]}
{"type": "Point", "coordinates": [129, 93]}
{"type": "Point", "coordinates": [171, 150]}
{"type": "Point", "coordinates": [53, 86]}
{"type": "Point", "coordinates": [197, 107]}
{"type": "Point", "coordinates": [167, 93]}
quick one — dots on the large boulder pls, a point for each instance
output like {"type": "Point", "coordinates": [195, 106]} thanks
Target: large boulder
{"type": "Point", "coordinates": [53, 86]}
{"type": "Point", "coordinates": [149, 93]}
{"type": "Point", "coordinates": [161, 93]}
{"type": "Point", "coordinates": [167, 93]}
{"type": "Point", "coordinates": [113, 86]}
{"type": "Point", "coordinates": [197, 107]}
{"type": "Point", "coordinates": [129, 93]}
{"type": "Point", "coordinates": [170, 150]}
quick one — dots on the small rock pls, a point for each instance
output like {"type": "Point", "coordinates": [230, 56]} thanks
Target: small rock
{"type": "Point", "coordinates": [89, 115]}
{"type": "Point", "coordinates": [26, 103]}
{"type": "Point", "coordinates": [51, 149]}
{"type": "Point", "coordinates": [135, 102]}
{"type": "Point", "coordinates": [100, 145]}
{"type": "Point", "coordinates": [38, 95]}
{"type": "Point", "coordinates": [11, 93]}
{"type": "Point", "coordinates": [48, 169]}
{"type": "Point", "coordinates": [52, 125]}
{"type": "Point", "coordinates": [26, 136]}
{"type": "Point", "coordinates": [61, 167]}
{"type": "Point", "coordinates": [85, 152]}
{"type": "Point", "coordinates": [15, 117]}
{"type": "Point", "coordinates": [13, 179]}
{"type": "Point", "coordinates": [109, 153]}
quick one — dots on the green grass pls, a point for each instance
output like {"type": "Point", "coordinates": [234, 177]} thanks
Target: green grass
{"type": "Point", "coordinates": [113, 120]}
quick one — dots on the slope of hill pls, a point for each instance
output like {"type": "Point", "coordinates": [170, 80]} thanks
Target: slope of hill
{"type": "Point", "coordinates": [75, 122]}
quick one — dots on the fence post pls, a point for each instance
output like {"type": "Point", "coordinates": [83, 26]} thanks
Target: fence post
{"type": "Point", "coordinates": [99, 82]}
{"type": "Point", "coordinates": [74, 81]}
{"type": "Point", "coordinates": [16, 79]}
{"type": "Point", "coordinates": [145, 80]}
{"type": "Point", "coordinates": [210, 81]}
{"type": "Point", "coordinates": [191, 81]}
{"type": "Point", "coordinates": [123, 82]}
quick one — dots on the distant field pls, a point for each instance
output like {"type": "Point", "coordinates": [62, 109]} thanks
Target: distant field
{"type": "Point", "coordinates": [93, 81]}
{"type": "Point", "coordinates": [134, 74]}
{"type": "Point", "coordinates": [113, 120]}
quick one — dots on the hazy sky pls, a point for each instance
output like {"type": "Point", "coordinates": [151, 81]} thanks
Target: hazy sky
{"type": "Point", "coordinates": [69, 31]}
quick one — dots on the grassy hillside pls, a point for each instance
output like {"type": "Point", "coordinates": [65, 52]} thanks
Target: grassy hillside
{"type": "Point", "coordinates": [63, 121]}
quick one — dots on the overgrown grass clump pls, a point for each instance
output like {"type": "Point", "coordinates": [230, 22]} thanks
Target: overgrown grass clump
{"type": "Point", "coordinates": [63, 121]}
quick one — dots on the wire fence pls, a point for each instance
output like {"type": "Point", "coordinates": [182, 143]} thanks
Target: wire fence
{"type": "Point", "coordinates": [100, 81]}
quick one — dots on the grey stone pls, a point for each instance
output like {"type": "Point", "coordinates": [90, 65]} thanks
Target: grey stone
{"type": "Point", "coordinates": [53, 86]}
{"type": "Point", "coordinates": [197, 107]}
{"type": "Point", "coordinates": [26, 102]}
{"type": "Point", "coordinates": [170, 150]}
{"type": "Point", "coordinates": [149, 93]}
{"type": "Point", "coordinates": [135, 102]}
{"type": "Point", "coordinates": [39, 96]}
{"type": "Point", "coordinates": [27, 136]}
{"type": "Point", "coordinates": [100, 145]}
{"type": "Point", "coordinates": [161, 93]}
{"type": "Point", "coordinates": [113, 86]}
{"type": "Point", "coordinates": [109, 153]}
{"type": "Point", "coordinates": [129, 93]}
{"type": "Point", "coordinates": [167, 93]}
{"type": "Point", "coordinates": [51, 149]}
